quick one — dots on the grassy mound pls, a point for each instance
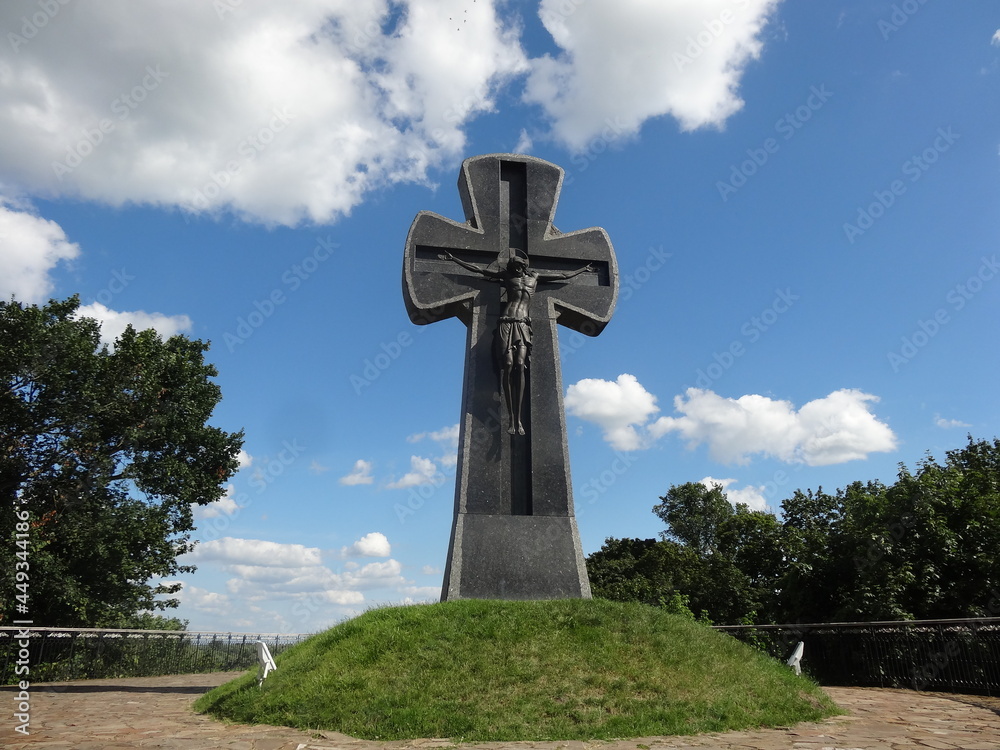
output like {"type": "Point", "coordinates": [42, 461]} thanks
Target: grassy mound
{"type": "Point", "coordinates": [505, 671]}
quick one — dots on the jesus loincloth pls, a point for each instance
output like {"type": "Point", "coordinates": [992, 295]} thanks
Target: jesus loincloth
{"type": "Point", "coordinates": [513, 333]}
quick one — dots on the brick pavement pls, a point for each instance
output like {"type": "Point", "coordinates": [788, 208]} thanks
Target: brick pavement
{"type": "Point", "coordinates": [154, 712]}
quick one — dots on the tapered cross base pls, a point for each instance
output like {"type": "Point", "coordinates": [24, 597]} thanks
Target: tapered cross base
{"type": "Point", "coordinates": [515, 557]}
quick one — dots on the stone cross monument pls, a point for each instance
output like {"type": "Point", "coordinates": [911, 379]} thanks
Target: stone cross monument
{"type": "Point", "coordinates": [510, 276]}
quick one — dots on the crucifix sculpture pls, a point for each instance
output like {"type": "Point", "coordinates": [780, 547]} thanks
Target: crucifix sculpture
{"type": "Point", "coordinates": [510, 276]}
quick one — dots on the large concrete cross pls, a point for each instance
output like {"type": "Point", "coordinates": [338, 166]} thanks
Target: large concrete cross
{"type": "Point", "coordinates": [514, 535]}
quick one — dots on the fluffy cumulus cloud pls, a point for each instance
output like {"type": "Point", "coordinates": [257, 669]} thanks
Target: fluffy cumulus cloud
{"type": "Point", "coordinates": [422, 471]}
{"type": "Point", "coordinates": [255, 552]}
{"type": "Point", "coordinates": [284, 112]}
{"type": "Point", "coordinates": [750, 496]}
{"type": "Point", "coordinates": [114, 322]}
{"type": "Point", "coordinates": [30, 248]}
{"type": "Point", "coordinates": [374, 544]}
{"type": "Point", "coordinates": [830, 430]}
{"type": "Point", "coordinates": [996, 38]}
{"type": "Point", "coordinates": [277, 111]}
{"type": "Point", "coordinates": [204, 601]}
{"type": "Point", "coordinates": [446, 438]}
{"type": "Point", "coordinates": [619, 407]}
{"type": "Point", "coordinates": [947, 424]}
{"type": "Point", "coordinates": [360, 474]}
{"type": "Point", "coordinates": [290, 585]}
{"type": "Point", "coordinates": [625, 61]}
{"type": "Point", "coordinates": [224, 506]}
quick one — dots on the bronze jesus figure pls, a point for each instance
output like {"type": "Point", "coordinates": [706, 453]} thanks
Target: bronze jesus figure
{"type": "Point", "coordinates": [513, 334]}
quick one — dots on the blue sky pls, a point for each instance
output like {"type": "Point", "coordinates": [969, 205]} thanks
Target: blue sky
{"type": "Point", "coordinates": [803, 199]}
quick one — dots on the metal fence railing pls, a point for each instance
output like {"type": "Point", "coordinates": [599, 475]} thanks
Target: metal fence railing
{"type": "Point", "coordinates": [958, 656]}
{"type": "Point", "coordinates": [57, 654]}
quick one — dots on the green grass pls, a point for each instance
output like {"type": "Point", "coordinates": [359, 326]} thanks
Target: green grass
{"type": "Point", "coordinates": [506, 671]}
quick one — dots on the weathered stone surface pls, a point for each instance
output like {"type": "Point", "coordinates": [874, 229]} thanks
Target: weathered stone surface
{"type": "Point", "coordinates": [462, 270]}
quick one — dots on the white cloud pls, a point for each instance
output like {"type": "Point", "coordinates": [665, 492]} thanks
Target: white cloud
{"type": "Point", "coordinates": [225, 505]}
{"type": "Point", "coordinates": [996, 38]}
{"type": "Point", "coordinates": [447, 435]}
{"type": "Point", "coordinates": [524, 143]}
{"type": "Point", "coordinates": [830, 430]}
{"type": "Point", "coordinates": [837, 428]}
{"type": "Point", "coordinates": [113, 322]}
{"type": "Point", "coordinates": [315, 467]}
{"type": "Point", "coordinates": [376, 574]}
{"type": "Point", "coordinates": [447, 438]}
{"type": "Point", "coordinates": [360, 474]}
{"type": "Point", "coordinates": [430, 570]}
{"type": "Point", "coordinates": [30, 247]}
{"type": "Point", "coordinates": [235, 551]}
{"type": "Point", "coordinates": [618, 407]}
{"type": "Point", "coordinates": [421, 594]}
{"type": "Point", "coordinates": [374, 544]}
{"type": "Point", "coordinates": [623, 62]}
{"type": "Point", "coordinates": [261, 581]}
{"type": "Point", "coordinates": [245, 459]}
{"type": "Point", "coordinates": [949, 423]}
{"type": "Point", "coordinates": [271, 585]}
{"type": "Point", "coordinates": [204, 601]}
{"type": "Point", "coordinates": [749, 495]}
{"type": "Point", "coordinates": [280, 112]}
{"type": "Point", "coordinates": [290, 586]}
{"type": "Point", "coordinates": [422, 471]}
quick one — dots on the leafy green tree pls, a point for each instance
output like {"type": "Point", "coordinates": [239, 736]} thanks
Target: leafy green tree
{"type": "Point", "coordinates": [103, 452]}
{"type": "Point", "coordinates": [642, 570]}
{"type": "Point", "coordinates": [693, 514]}
{"type": "Point", "coordinates": [751, 543]}
{"type": "Point", "coordinates": [816, 566]}
{"type": "Point", "coordinates": [928, 546]}
{"type": "Point", "coordinates": [931, 542]}
{"type": "Point", "coordinates": [724, 562]}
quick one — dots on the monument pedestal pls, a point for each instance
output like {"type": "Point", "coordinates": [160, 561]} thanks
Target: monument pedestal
{"type": "Point", "coordinates": [515, 557]}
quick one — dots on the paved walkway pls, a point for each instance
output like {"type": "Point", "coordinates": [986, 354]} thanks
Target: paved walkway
{"type": "Point", "coordinates": [154, 712]}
